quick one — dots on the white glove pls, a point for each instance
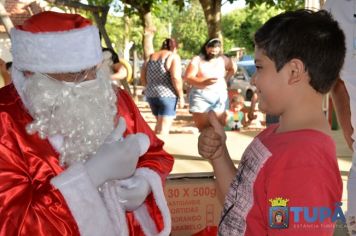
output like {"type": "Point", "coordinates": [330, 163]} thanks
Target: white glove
{"type": "Point", "coordinates": [132, 192]}
{"type": "Point", "coordinates": [117, 158]}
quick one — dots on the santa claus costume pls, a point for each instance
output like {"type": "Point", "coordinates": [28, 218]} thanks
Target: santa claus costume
{"type": "Point", "coordinates": [45, 188]}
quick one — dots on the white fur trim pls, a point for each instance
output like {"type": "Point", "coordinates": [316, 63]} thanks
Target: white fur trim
{"type": "Point", "coordinates": [116, 210]}
{"type": "Point", "coordinates": [56, 52]}
{"type": "Point", "coordinates": [56, 141]}
{"type": "Point", "coordinates": [18, 80]}
{"type": "Point", "coordinates": [84, 201]}
{"type": "Point", "coordinates": [142, 214]}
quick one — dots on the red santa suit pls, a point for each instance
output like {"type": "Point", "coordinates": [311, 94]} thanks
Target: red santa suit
{"type": "Point", "coordinates": [40, 197]}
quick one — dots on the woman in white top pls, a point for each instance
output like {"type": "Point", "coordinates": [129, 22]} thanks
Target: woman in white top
{"type": "Point", "coordinates": [207, 73]}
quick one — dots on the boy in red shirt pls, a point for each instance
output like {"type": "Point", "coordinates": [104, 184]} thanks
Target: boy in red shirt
{"type": "Point", "coordinates": [290, 169]}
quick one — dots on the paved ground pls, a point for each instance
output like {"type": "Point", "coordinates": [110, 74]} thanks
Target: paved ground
{"type": "Point", "coordinates": [182, 144]}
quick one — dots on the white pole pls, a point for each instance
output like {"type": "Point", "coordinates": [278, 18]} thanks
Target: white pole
{"type": "Point", "coordinates": [312, 4]}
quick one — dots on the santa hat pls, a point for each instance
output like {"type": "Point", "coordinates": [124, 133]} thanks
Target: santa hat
{"type": "Point", "coordinates": [52, 42]}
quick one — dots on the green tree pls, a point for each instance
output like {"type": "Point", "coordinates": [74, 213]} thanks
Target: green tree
{"type": "Point", "coordinates": [281, 4]}
{"type": "Point", "coordinates": [240, 25]}
{"type": "Point", "coordinates": [116, 30]}
{"type": "Point", "coordinates": [145, 10]}
{"type": "Point", "coordinates": [187, 26]}
{"type": "Point", "coordinates": [190, 29]}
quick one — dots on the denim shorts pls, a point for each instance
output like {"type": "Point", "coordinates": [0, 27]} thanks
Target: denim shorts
{"type": "Point", "coordinates": [163, 106]}
{"type": "Point", "coordinates": [204, 100]}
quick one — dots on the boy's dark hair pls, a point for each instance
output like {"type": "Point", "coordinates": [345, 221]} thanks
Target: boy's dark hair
{"type": "Point", "coordinates": [211, 42]}
{"type": "Point", "coordinates": [169, 44]}
{"type": "Point", "coordinates": [313, 37]}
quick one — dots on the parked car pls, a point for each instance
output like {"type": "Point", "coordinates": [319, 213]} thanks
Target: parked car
{"type": "Point", "coordinates": [240, 82]}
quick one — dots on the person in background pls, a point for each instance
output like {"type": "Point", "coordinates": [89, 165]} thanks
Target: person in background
{"type": "Point", "coordinates": [236, 118]}
{"type": "Point", "coordinates": [76, 156]}
{"type": "Point", "coordinates": [4, 70]}
{"type": "Point", "coordinates": [270, 119]}
{"type": "Point", "coordinates": [161, 76]}
{"type": "Point", "coordinates": [208, 74]}
{"type": "Point", "coordinates": [343, 95]}
{"type": "Point", "coordinates": [117, 67]}
{"type": "Point", "coordinates": [293, 163]}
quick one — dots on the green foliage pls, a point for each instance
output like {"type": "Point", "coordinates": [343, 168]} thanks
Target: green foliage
{"type": "Point", "coordinates": [281, 4]}
{"type": "Point", "coordinates": [115, 27]}
{"type": "Point", "coordinates": [100, 2]}
{"type": "Point", "coordinates": [239, 26]}
{"type": "Point", "coordinates": [189, 26]}
{"type": "Point", "coordinates": [163, 15]}
{"type": "Point", "coordinates": [190, 29]}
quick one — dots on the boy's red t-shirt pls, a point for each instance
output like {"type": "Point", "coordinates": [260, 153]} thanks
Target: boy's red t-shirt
{"type": "Point", "coordinates": [299, 166]}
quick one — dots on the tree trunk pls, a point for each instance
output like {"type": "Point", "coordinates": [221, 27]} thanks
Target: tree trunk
{"type": "Point", "coordinates": [149, 31]}
{"type": "Point", "coordinates": [212, 13]}
{"type": "Point", "coordinates": [127, 36]}
{"type": "Point", "coordinates": [4, 16]}
{"type": "Point", "coordinates": [100, 22]}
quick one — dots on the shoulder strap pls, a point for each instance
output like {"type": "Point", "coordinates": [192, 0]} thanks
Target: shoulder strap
{"type": "Point", "coordinates": [166, 60]}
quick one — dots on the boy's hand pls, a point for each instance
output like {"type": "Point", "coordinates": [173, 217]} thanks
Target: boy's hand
{"type": "Point", "coordinates": [208, 143]}
{"type": "Point", "coordinates": [215, 123]}
{"type": "Point", "coordinates": [212, 139]}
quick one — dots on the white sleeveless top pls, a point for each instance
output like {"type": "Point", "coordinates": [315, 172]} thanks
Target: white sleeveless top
{"type": "Point", "coordinates": [214, 68]}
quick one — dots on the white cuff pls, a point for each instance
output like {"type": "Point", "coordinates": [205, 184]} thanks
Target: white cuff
{"type": "Point", "coordinates": [84, 201]}
{"type": "Point", "coordinates": [141, 214]}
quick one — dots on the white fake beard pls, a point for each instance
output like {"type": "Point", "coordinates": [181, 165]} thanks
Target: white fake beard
{"type": "Point", "coordinates": [83, 113]}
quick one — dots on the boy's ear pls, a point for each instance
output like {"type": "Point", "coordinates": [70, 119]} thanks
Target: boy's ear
{"type": "Point", "coordinates": [297, 71]}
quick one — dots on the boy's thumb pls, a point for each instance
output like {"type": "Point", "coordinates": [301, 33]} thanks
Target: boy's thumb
{"type": "Point", "coordinates": [215, 123]}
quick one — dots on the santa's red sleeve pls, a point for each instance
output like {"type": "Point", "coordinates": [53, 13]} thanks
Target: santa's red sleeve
{"type": "Point", "coordinates": [29, 205]}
